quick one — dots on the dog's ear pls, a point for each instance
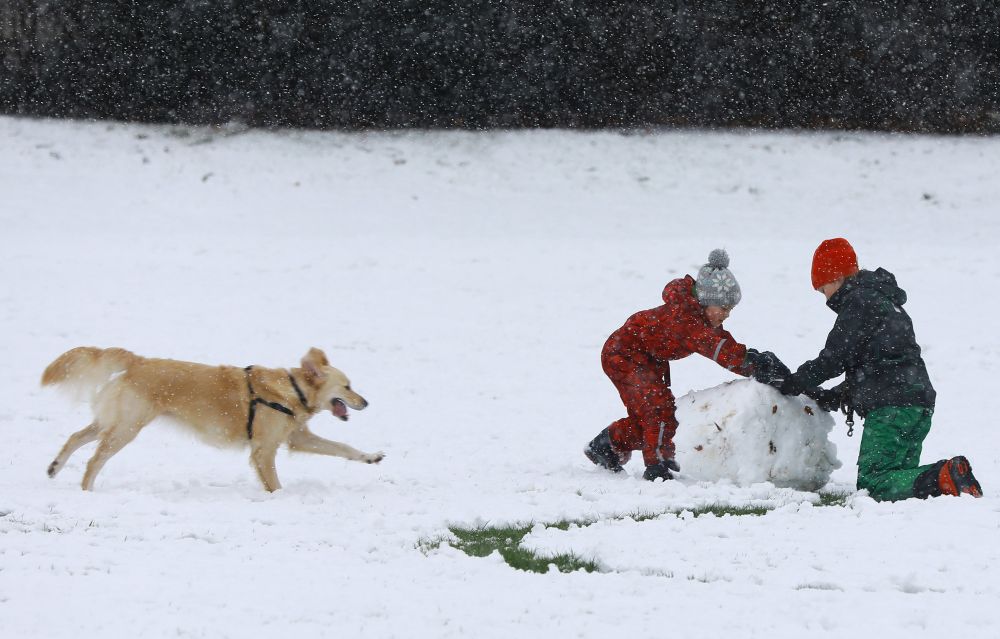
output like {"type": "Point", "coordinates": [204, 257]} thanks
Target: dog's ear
{"type": "Point", "coordinates": [313, 364]}
{"type": "Point", "coordinates": [316, 356]}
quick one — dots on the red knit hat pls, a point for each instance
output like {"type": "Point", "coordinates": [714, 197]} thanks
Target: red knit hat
{"type": "Point", "coordinates": [833, 259]}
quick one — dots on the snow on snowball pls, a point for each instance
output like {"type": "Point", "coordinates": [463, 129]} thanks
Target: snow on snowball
{"type": "Point", "coordinates": [747, 433]}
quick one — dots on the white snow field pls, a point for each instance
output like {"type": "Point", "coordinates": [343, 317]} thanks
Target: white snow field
{"type": "Point", "coordinates": [466, 283]}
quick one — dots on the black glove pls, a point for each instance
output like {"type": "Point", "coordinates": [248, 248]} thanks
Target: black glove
{"type": "Point", "coordinates": [767, 368]}
{"type": "Point", "coordinates": [791, 386]}
{"type": "Point", "coordinates": [661, 470]}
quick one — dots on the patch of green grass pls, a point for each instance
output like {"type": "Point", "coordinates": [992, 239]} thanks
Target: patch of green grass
{"type": "Point", "coordinates": [833, 499]}
{"type": "Point", "coordinates": [720, 510]}
{"type": "Point", "coordinates": [481, 542]}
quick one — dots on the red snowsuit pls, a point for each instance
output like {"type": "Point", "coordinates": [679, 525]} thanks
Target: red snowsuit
{"type": "Point", "coordinates": [636, 357]}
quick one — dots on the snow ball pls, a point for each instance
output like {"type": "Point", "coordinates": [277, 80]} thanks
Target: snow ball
{"type": "Point", "coordinates": [747, 433]}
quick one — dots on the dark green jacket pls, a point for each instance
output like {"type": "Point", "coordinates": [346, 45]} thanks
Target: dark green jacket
{"type": "Point", "coordinates": [873, 343]}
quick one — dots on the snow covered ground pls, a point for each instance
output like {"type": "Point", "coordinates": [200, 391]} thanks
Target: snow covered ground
{"type": "Point", "coordinates": [466, 282]}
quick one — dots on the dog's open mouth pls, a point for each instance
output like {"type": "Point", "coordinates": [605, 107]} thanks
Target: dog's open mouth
{"type": "Point", "coordinates": [338, 408]}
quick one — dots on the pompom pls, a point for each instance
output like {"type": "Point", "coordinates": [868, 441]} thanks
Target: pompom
{"type": "Point", "coordinates": [718, 258]}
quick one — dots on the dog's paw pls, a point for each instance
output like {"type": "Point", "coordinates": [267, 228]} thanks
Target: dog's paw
{"type": "Point", "coordinates": [53, 468]}
{"type": "Point", "coordinates": [374, 459]}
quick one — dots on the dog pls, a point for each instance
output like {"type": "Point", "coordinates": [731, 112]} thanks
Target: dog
{"type": "Point", "coordinates": [225, 405]}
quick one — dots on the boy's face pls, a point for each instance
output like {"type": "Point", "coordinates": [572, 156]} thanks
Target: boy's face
{"type": "Point", "coordinates": [716, 315]}
{"type": "Point", "coordinates": [831, 288]}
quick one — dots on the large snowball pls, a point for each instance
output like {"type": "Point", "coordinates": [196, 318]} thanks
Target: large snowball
{"type": "Point", "coordinates": [747, 433]}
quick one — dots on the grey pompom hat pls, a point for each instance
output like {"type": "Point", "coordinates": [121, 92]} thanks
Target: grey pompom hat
{"type": "Point", "coordinates": [715, 284]}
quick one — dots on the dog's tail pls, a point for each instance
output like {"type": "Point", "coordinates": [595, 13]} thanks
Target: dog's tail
{"type": "Point", "coordinates": [84, 370]}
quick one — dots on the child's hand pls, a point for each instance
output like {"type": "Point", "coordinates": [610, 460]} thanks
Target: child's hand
{"type": "Point", "coordinates": [791, 386]}
{"type": "Point", "coordinates": [767, 368]}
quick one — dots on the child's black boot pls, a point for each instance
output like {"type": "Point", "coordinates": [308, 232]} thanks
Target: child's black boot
{"type": "Point", "coordinates": [661, 470]}
{"type": "Point", "coordinates": [601, 452]}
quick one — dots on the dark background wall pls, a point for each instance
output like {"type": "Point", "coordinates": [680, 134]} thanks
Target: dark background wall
{"type": "Point", "coordinates": [889, 65]}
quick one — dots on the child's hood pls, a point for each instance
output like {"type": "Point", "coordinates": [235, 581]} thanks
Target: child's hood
{"type": "Point", "coordinates": [879, 281]}
{"type": "Point", "coordinates": [680, 292]}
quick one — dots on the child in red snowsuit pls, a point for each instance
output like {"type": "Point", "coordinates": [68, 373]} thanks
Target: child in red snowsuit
{"type": "Point", "coordinates": [637, 359]}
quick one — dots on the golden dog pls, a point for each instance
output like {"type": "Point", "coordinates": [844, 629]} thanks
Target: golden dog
{"type": "Point", "coordinates": [225, 405]}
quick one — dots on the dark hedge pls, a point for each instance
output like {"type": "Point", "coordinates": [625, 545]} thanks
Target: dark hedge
{"type": "Point", "coordinates": [889, 65]}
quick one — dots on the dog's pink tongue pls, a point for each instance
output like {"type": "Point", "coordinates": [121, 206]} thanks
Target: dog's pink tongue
{"type": "Point", "coordinates": [339, 408]}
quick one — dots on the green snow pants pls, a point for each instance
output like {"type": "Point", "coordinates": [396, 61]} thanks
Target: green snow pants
{"type": "Point", "coordinates": [890, 451]}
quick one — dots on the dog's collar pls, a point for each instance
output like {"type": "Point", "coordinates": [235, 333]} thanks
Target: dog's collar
{"type": "Point", "coordinates": [254, 400]}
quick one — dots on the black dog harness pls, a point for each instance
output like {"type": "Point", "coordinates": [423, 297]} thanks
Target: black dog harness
{"type": "Point", "coordinates": [281, 408]}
